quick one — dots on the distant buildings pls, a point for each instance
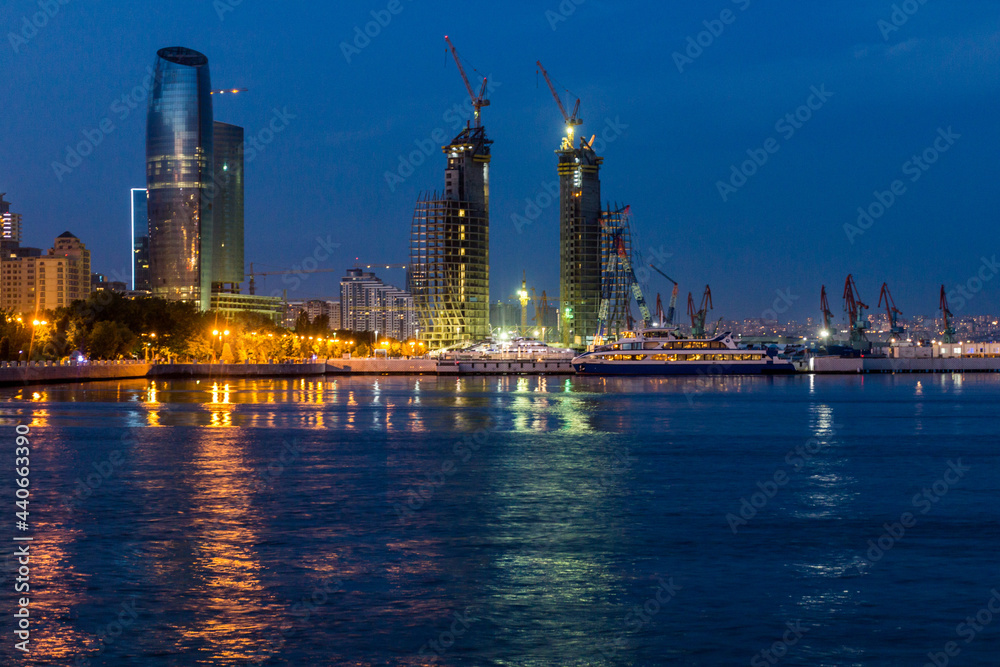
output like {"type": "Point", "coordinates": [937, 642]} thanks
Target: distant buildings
{"type": "Point", "coordinates": [98, 281]}
{"type": "Point", "coordinates": [368, 304]}
{"type": "Point", "coordinates": [31, 282]}
{"type": "Point", "coordinates": [179, 164]}
{"type": "Point", "coordinates": [10, 223]}
{"type": "Point", "coordinates": [140, 241]}
{"type": "Point", "coordinates": [450, 247]}
{"type": "Point", "coordinates": [314, 308]}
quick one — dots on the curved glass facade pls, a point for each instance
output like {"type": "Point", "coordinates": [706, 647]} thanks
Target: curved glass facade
{"type": "Point", "coordinates": [179, 163]}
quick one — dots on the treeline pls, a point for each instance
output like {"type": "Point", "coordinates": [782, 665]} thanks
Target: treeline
{"type": "Point", "coordinates": [108, 325]}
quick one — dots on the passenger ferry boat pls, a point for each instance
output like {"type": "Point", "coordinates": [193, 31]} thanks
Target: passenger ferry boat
{"type": "Point", "coordinates": [663, 352]}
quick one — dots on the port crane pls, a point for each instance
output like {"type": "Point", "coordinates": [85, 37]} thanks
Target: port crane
{"type": "Point", "coordinates": [572, 120]}
{"type": "Point", "coordinates": [890, 310]}
{"type": "Point", "coordinates": [855, 314]}
{"type": "Point", "coordinates": [478, 101]}
{"type": "Point", "coordinates": [671, 309]}
{"type": "Point", "coordinates": [698, 317]}
{"type": "Point", "coordinates": [949, 329]}
{"type": "Point", "coordinates": [827, 315]}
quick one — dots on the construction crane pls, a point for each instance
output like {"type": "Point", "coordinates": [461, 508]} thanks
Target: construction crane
{"type": "Point", "coordinates": [698, 317]}
{"type": "Point", "coordinates": [231, 91]}
{"type": "Point", "coordinates": [671, 309]}
{"type": "Point", "coordinates": [824, 306]}
{"type": "Point", "coordinates": [890, 310]}
{"type": "Point", "coordinates": [949, 329]}
{"type": "Point", "coordinates": [253, 273]}
{"type": "Point", "coordinates": [478, 101]}
{"type": "Point", "coordinates": [855, 314]}
{"type": "Point", "coordinates": [572, 120]}
{"type": "Point", "coordinates": [636, 290]}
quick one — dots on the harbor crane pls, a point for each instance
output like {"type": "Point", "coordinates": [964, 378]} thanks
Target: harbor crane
{"type": "Point", "coordinates": [672, 308]}
{"type": "Point", "coordinates": [949, 329]}
{"type": "Point", "coordinates": [827, 315]}
{"type": "Point", "coordinates": [572, 120]}
{"type": "Point", "coordinates": [478, 101]}
{"type": "Point", "coordinates": [890, 310]}
{"type": "Point", "coordinates": [698, 317]}
{"type": "Point", "coordinates": [855, 314]}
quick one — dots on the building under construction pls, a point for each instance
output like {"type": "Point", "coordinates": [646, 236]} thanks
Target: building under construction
{"type": "Point", "coordinates": [450, 241]}
{"type": "Point", "coordinates": [579, 229]}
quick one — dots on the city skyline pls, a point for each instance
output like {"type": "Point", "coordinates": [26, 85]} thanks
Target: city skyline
{"type": "Point", "coordinates": [790, 226]}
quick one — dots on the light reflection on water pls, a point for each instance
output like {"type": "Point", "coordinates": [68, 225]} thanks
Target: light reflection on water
{"type": "Point", "coordinates": [542, 507]}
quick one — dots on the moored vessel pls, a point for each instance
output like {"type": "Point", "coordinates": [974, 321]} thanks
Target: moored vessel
{"type": "Point", "coordinates": [663, 352]}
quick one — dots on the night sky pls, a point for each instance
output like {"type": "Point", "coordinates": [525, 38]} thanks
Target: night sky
{"type": "Point", "coordinates": [674, 134]}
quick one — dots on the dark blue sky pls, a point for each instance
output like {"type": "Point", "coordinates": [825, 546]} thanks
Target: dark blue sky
{"type": "Point", "coordinates": [324, 175]}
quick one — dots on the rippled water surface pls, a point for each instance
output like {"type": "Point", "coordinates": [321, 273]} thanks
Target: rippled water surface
{"type": "Point", "coordinates": [511, 521]}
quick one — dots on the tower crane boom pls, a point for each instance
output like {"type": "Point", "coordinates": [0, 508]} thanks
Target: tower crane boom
{"type": "Point", "coordinates": [478, 101]}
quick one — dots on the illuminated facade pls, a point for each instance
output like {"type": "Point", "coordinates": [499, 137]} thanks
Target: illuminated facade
{"type": "Point", "coordinates": [450, 247]}
{"type": "Point", "coordinates": [368, 304]}
{"type": "Point", "coordinates": [10, 223]}
{"type": "Point", "coordinates": [31, 282]}
{"type": "Point", "coordinates": [579, 242]}
{"type": "Point", "coordinates": [227, 208]}
{"type": "Point", "coordinates": [140, 241]}
{"type": "Point", "coordinates": [179, 163]}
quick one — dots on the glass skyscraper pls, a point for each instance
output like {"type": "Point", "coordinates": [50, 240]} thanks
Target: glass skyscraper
{"type": "Point", "coordinates": [140, 240]}
{"type": "Point", "coordinates": [227, 208]}
{"type": "Point", "coordinates": [179, 164]}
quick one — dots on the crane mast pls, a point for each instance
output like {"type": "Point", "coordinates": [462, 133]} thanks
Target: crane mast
{"type": "Point", "coordinates": [855, 314]}
{"type": "Point", "coordinates": [478, 101]}
{"type": "Point", "coordinates": [572, 120]}
{"type": "Point", "coordinates": [672, 308]}
{"type": "Point", "coordinates": [949, 329]}
{"type": "Point", "coordinates": [890, 310]}
{"type": "Point", "coordinates": [827, 315]}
